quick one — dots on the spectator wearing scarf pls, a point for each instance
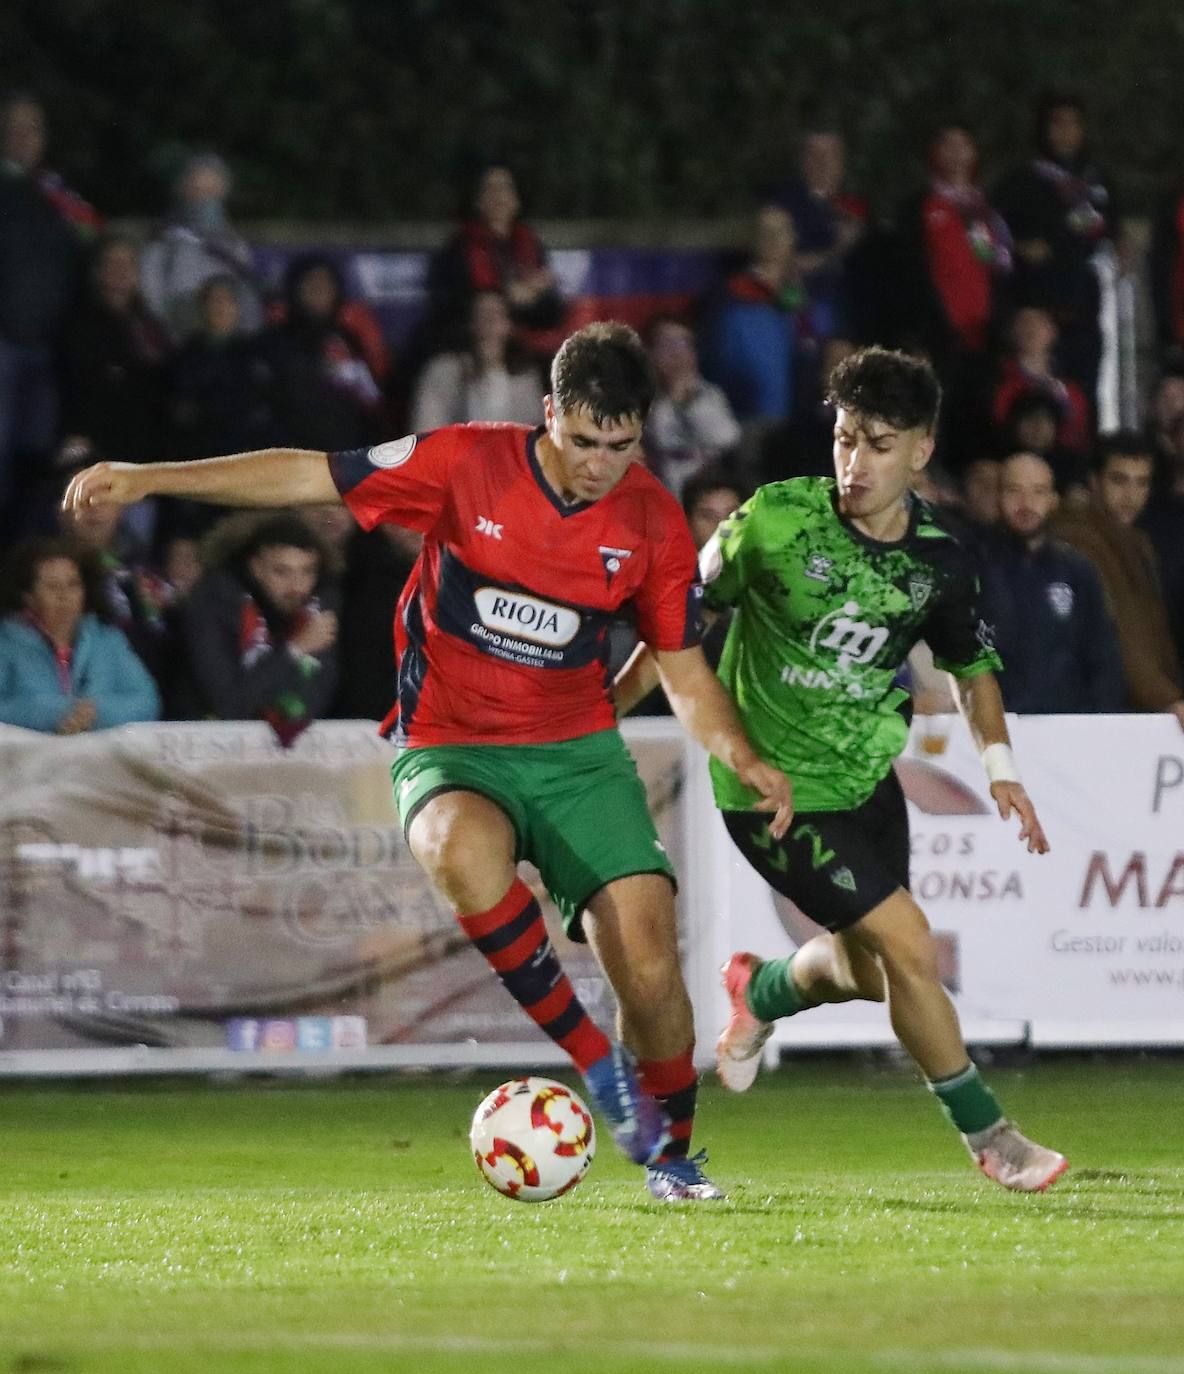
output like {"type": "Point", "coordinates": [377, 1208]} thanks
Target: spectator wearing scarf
{"type": "Point", "coordinates": [260, 627]}
{"type": "Point", "coordinates": [1061, 211]}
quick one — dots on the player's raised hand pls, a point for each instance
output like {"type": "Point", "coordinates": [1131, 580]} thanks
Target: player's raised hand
{"type": "Point", "coordinates": [1010, 797]}
{"type": "Point", "coordinates": [776, 793]}
{"type": "Point", "coordinates": [105, 484]}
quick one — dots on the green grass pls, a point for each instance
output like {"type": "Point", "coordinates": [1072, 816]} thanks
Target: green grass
{"type": "Point", "coordinates": [241, 1228]}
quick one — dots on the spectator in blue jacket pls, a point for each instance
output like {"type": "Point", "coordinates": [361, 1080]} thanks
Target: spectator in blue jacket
{"type": "Point", "coordinates": [1053, 630]}
{"type": "Point", "coordinates": [62, 670]}
{"type": "Point", "coordinates": [764, 334]}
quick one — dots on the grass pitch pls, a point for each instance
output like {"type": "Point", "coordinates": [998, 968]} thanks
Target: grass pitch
{"type": "Point", "coordinates": [251, 1227]}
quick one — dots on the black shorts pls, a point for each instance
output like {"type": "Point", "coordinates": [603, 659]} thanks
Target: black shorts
{"type": "Point", "coordinates": [835, 865]}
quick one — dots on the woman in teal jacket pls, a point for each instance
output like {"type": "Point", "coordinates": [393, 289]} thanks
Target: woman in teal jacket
{"type": "Point", "coordinates": [62, 670]}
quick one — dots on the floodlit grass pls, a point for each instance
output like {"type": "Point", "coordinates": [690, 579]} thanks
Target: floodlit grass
{"type": "Point", "coordinates": [341, 1227]}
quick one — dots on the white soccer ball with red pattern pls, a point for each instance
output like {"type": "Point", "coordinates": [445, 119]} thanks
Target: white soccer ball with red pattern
{"type": "Point", "coordinates": [533, 1139]}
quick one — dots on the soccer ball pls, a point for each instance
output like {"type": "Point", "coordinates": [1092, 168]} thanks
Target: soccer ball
{"type": "Point", "coordinates": [533, 1139]}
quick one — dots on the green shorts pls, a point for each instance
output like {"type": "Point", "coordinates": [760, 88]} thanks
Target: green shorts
{"type": "Point", "coordinates": [578, 808]}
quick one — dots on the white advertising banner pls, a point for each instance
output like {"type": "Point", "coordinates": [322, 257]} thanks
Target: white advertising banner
{"type": "Point", "coordinates": [1082, 946]}
{"type": "Point", "coordinates": [196, 897]}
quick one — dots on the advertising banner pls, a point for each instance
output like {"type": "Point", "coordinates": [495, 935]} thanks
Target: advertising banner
{"type": "Point", "coordinates": [1082, 946]}
{"type": "Point", "coordinates": [192, 896]}
{"type": "Point", "coordinates": [184, 895]}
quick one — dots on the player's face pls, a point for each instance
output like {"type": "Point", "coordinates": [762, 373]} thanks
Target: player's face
{"type": "Point", "coordinates": [1123, 486]}
{"type": "Point", "coordinates": [875, 463]}
{"type": "Point", "coordinates": [589, 458]}
{"type": "Point", "coordinates": [286, 575]}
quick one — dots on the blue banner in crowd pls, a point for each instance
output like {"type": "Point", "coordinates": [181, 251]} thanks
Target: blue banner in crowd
{"type": "Point", "coordinates": [631, 284]}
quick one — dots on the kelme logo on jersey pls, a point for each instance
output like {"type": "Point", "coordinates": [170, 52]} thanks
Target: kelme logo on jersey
{"type": "Point", "coordinates": [817, 568]}
{"type": "Point", "coordinates": [526, 617]}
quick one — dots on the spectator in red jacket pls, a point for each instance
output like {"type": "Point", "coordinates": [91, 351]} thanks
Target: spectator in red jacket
{"type": "Point", "coordinates": [493, 250]}
{"type": "Point", "coordinates": [967, 245]}
{"type": "Point", "coordinates": [1032, 367]}
{"type": "Point", "coordinates": [956, 261]}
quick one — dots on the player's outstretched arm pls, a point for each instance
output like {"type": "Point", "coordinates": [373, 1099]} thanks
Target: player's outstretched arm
{"type": "Point", "coordinates": [706, 712]}
{"type": "Point", "coordinates": [981, 702]}
{"type": "Point", "coordinates": [267, 477]}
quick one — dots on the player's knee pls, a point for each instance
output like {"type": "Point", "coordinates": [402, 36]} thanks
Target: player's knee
{"type": "Point", "coordinates": [456, 866]}
{"type": "Point", "coordinates": [452, 867]}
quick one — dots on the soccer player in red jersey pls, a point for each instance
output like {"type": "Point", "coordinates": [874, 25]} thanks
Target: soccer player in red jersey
{"type": "Point", "coordinates": [533, 541]}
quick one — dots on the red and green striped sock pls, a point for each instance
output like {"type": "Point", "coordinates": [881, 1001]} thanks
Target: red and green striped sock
{"type": "Point", "coordinates": [514, 940]}
{"type": "Point", "coordinates": [675, 1084]}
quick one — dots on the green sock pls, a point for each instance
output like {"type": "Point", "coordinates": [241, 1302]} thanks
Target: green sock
{"type": "Point", "coordinates": [772, 993]}
{"type": "Point", "coordinates": [967, 1101]}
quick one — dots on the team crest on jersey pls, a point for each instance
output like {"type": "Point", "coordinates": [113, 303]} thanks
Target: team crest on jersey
{"type": "Point", "coordinates": [920, 589]}
{"type": "Point", "coordinates": [613, 559]}
{"type": "Point", "coordinates": [393, 454]}
{"type": "Point", "coordinates": [818, 569]}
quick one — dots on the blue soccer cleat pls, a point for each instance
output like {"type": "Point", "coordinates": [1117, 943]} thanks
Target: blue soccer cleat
{"type": "Point", "coordinates": [638, 1124]}
{"type": "Point", "coordinates": [682, 1180]}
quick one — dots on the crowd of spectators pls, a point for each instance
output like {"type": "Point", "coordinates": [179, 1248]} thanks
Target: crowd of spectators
{"type": "Point", "coordinates": [172, 348]}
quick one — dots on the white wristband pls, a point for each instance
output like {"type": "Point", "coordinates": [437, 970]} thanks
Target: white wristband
{"type": "Point", "coordinates": [1000, 763]}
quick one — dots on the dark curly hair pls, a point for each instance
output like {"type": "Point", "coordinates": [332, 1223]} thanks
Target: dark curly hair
{"type": "Point", "coordinates": [605, 370]}
{"type": "Point", "coordinates": [25, 559]}
{"type": "Point", "coordinates": [885, 384]}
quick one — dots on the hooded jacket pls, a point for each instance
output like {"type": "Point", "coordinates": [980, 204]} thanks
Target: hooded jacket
{"type": "Point", "coordinates": [37, 692]}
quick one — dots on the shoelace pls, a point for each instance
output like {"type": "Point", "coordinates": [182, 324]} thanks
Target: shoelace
{"type": "Point", "coordinates": [683, 1170]}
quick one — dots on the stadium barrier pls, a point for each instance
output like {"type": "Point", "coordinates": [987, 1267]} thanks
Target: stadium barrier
{"type": "Point", "coordinates": [192, 897]}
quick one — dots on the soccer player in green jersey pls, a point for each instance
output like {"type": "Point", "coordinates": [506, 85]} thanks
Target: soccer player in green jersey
{"type": "Point", "coordinates": [832, 583]}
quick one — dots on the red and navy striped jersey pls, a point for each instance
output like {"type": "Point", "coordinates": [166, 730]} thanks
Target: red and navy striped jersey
{"type": "Point", "coordinates": [501, 633]}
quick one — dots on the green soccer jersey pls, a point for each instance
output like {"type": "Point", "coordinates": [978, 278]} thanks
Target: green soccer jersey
{"type": "Point", "coordinates": [824, 619]}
